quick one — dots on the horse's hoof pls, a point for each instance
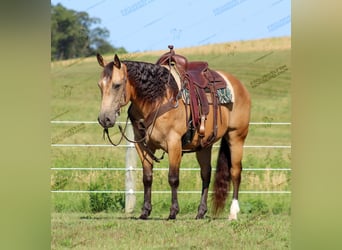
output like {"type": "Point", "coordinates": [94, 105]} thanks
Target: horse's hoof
{"type": "Point", "coordinates": [232, 217]}
{"type": "Point", "coordinates": [199, 217]}
{"type": "Point", "coordinates": [143, 217]}
{"type": "Point", "coordinates": [201, 213]}
{"type": "Point", "coordinates": [172, 217]}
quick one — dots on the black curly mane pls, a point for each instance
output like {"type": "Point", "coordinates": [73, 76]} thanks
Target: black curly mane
{"type": "Point", "coordinates": [150, 80]}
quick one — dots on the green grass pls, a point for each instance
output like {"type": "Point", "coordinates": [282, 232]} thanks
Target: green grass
{"type": "Point", "coordinates": [264, 220]}
{"type": "Point", "coordinates": [117, 231]}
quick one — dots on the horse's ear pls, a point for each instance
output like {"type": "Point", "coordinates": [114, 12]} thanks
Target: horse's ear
{"type": "Point", "coordinates": [117, 62]}
{"type": "Point", "coordinates": [100, 60]}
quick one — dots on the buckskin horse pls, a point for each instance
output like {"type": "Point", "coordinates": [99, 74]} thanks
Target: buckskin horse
{"type": "Point", "coordinates": [165, 115]}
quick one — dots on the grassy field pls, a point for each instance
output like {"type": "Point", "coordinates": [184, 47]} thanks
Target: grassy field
{"type": "Point", "coordinates": [116, 231]}
{"type": "Point", "coordinates": [264, 219]}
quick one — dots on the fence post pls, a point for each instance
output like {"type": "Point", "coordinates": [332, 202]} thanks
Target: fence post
{"type": "Point", "coordinates": [131, 163]}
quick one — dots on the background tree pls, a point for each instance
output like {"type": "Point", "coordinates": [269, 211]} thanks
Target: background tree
{"type": "Point", "coordinates": [99, 43]}
{"type": "Point", "coordinates": [72, 35]}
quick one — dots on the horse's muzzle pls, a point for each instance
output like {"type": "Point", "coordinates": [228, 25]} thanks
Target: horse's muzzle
{"type": "Point", "coordinates": [106, 121]}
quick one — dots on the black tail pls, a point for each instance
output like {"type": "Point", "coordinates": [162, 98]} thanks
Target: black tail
{"type": "Point", "coordinates": [222, 177]}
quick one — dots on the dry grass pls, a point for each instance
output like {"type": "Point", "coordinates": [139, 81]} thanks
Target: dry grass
{"type": "Point", "coordinates": [281, 43]}
{"type": "Point", "coordinates": [268, 44]}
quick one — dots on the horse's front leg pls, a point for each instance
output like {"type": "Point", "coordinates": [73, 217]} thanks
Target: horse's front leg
{"type": "Point", "coordinates": [175, 156]}
{"type": "Point", "coordinates": [204, 159]}
{"type": "Point", "coordinates": [147, 180]}
{"type": "Point", "coordinates": [147, 164]}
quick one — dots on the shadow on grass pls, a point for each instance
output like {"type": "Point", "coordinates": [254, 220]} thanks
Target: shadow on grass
{"type": "Point", "coordinates": [152, 218]}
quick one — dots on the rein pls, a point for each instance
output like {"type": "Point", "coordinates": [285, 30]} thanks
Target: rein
{"type": "Point", "coordinates": [122, 131]}
{"type": "Point", "coordinates": [143, 141]}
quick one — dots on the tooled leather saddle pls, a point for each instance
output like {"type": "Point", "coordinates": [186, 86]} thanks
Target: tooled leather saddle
{"type": "Point", "coordinates": [198, 80]}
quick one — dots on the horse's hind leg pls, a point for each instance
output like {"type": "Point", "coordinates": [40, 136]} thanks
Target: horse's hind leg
{"type": "Point", "coordinates": [236, 141]}
{"type": "Point", "coordinates": [204, 159]}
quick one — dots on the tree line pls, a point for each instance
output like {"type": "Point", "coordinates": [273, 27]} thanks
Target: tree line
{"type": "Point", "coordinates": [73, 35]}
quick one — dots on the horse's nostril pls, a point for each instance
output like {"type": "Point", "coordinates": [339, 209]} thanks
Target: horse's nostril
{"type": "Point", "coordinates": [104, 121]}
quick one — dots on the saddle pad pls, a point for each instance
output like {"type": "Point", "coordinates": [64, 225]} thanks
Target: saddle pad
{"type": "Point", "coordinates": [226, 95]}
{"type": "Point", "coordinates": [175, 75]}
{"type": "Point", "coordinates": [229, 87]}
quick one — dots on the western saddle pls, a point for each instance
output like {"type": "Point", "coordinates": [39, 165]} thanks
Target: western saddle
{"type": "Point", "coordinates": [198, 80]}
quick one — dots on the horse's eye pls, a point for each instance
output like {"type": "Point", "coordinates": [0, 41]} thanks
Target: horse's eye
{"type": "Point", "coordinates": [116, 86]}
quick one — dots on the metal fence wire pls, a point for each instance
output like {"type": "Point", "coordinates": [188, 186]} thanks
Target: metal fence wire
{"type": "Point", "coordinates": [131, 168]}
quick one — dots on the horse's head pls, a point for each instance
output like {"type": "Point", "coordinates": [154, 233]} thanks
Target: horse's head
{"type": "Point", "coordinates": [112, 85]}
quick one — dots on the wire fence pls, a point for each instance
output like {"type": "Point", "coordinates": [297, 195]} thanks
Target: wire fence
{"type": "Point", "coordinates": [131, 169]}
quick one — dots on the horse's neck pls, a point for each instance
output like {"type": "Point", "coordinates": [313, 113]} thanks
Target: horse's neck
{"type": "Point", "coordinates": [140, 110]}
{"type": "Point", "coordinates": [134, 113]}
